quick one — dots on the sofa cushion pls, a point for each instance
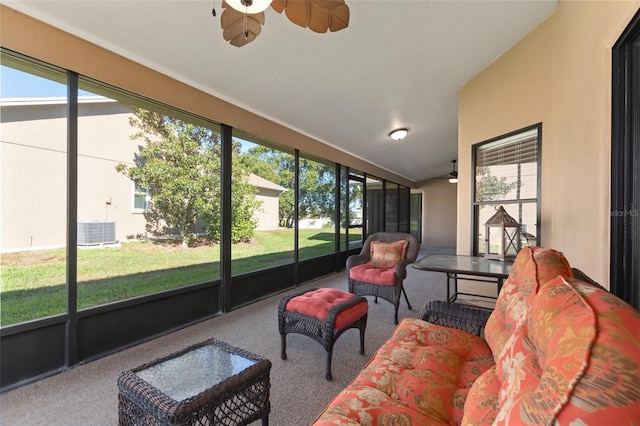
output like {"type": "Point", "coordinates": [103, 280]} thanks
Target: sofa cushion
{"type": "Point", "coordinates": [532, 268]}
{"type": "Point", "coordinates": [591, 354]}
{"type": "Point", "coordinates": [508, 331]}
{"type": "Point", "coordinates": [370, 274]}
{"type": "Point", "coordinates": [578, 363]}
{"type": "Point", "coordinates": [387, 255]}
{"type": "Point", "coordinates": [420, 376]}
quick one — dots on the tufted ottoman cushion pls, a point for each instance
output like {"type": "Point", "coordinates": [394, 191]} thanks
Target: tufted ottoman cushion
{"type": "Point", "coordinates": [420, 376]}
{"type": "Point", "coordinates": [322, 314]}
{"type": "Point", "coordinates": [317, 304]}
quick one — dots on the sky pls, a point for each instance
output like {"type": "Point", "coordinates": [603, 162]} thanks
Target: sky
{"type": "Point", "coordinates": [18, 84]}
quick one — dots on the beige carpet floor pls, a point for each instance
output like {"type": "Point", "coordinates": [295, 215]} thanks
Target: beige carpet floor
{"type": "Point", "coordinates": [87, 394]}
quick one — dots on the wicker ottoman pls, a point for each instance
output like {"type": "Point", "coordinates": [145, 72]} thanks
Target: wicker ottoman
{"type": "Point", "coordinates": [322, 314]}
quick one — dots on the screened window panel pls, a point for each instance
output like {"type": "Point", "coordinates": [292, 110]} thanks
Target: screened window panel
{"type": "Point", "coordinates": [391, 207]}
{"type": "Point", "coordinates": [375, 206]}
{"type": "Point", "coordinates": [150, 246]}
{"type": "Point", "coordinates": [403, 211]}
{"type": "Point", "coordinates": [316, 208]}
{"type": "Point", "coordinates": [33, 176]}
{"type": "Point", "coordinates": [356, 212]}
{"type": "Point", "coordinates": [415, 227]}
{"type": "Point", "coordinates": [270, 172]}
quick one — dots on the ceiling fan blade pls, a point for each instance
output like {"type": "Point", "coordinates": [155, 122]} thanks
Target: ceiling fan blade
{"type": "Point", "coordinates": [317, 15]}
{"type": "Point", "coordinates": [233, 28]}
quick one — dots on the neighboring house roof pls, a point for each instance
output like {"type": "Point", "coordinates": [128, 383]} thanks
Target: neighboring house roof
{"type": "Point", "coordinates": [52, 100]}
{"type": "Point", "coordinates": [263, 183]}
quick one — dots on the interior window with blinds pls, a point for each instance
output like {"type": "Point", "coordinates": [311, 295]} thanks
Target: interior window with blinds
{"type": "Point", "coordinates": [507, 173]}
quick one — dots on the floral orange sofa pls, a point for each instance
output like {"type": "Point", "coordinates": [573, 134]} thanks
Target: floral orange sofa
{"type": "Point", "coordinates": [557, 351]}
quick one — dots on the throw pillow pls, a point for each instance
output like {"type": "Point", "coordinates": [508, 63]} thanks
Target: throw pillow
{"type": "Point", "coordinates": [386, 255]}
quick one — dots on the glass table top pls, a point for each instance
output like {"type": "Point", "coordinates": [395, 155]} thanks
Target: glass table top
{"type": "Point", "coordinates": [195, 371]}
{"type": "Point", "coordinates": [472, 265]}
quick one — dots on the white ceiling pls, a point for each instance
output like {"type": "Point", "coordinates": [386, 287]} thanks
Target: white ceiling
{"type": "Point", "coordinates": [398, 64]}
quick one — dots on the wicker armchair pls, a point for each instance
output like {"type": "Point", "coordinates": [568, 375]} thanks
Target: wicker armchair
{"type": "Point", "coordinates": [389, 291]}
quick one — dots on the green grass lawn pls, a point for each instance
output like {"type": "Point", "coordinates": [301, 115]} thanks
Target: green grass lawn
{"type": "Point", "coordinates": [33, 284]}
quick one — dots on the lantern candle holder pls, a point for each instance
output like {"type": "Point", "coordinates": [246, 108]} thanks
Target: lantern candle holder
{"type": "Point", "coordinates": [502, 236]}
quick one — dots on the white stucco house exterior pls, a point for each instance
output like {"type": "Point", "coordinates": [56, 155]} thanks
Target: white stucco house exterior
{"type": "Point", "coordinates": [267, 193]}
{"type": "Point", "coordinates": [33, 192]}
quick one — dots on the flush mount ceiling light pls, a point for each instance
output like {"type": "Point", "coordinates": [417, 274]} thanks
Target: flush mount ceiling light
{"type": "Point", "coordinates": [398, 134]}
{"type": "Point", "coordinates": [242, 20]}
{"type": "Point", "coordinates": [453, 176]}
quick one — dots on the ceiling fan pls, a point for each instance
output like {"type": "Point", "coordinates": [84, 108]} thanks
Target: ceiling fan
{"type": "Point", "coordinates": [242, 20]}
{"type": "Point", "coordinates": [453, 176]}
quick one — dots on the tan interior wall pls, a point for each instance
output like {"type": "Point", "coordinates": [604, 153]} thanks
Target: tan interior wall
{"type": "Point", "coordinates": [36, 39]}
{"type": "Point", "coordinates": [560, 75]}
{"type": "Point", "coordinates": [439, 203]}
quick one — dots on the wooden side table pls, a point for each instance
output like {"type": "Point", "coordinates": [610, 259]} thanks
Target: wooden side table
{"type": "Point", "coordinates": [208, 383]}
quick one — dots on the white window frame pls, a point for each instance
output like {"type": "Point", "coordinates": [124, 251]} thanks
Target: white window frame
{"type": "Point", "coordinates": [136, 190]}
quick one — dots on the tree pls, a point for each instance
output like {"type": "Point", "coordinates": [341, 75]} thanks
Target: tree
{"type": "Point", "coordinates": [277, 167]}
{"type": "Point", "coordinates": [316, 188]}
{"type": "Point", "coordinates": [489, 188]}
{"type": "Point", "coordinates": [179, 163]}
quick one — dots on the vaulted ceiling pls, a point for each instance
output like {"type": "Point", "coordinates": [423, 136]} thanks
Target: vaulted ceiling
{"type": "Point", "coordinates": [398, 64]}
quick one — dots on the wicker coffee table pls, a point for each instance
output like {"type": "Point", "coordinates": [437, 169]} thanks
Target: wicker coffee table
{"type": "Point", "coordinates": [209, 383]}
